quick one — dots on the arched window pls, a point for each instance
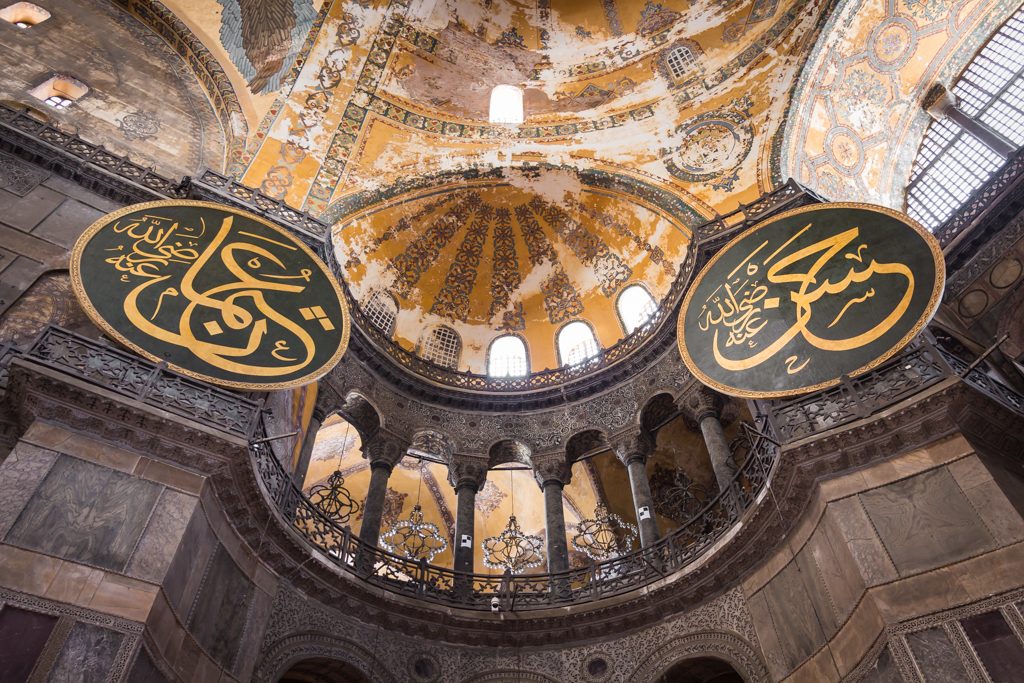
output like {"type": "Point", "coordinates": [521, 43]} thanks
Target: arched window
{"type": "Point", "coordinates": [576, 343]}
{"type": "Point", "coordinates": [506, 105]}
{"type": "Point", "coordinates": [441, 345]}
{"type": "Point", "coordinates": [680, 61]}
{"type": "Point", "coordinates": [381, 309]}
{"type": "Point", "coordinates": [507, 357]}
{"type": "Point", "coordinates": [952, 164]}
{"type": "Point", "coordinates": [635, 306]}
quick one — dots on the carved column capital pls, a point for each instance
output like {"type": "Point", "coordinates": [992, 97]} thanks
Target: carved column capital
{"type": "Point", "coordinates": [635, 444]}
{"type": "Point", "coordinates": [553, 467]}
{"type": "Point", "coordinates": [466, 470]}
{"type": "Point", "coordinates": [701, 402]}
{"type": "Point", "coordinates": [938, 102]}
{"type": "Point", "coordinates": [384, 451]}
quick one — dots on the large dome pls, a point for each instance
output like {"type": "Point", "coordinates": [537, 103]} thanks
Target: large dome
{"type": "Point", "coordinates": [523, 251]}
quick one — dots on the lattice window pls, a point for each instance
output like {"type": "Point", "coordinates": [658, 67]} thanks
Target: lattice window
{"type": "Point", "coordinates": [506, 105]}
{"type": "Point", "coordinates": [507, 358]}
{"type": "Point", "coordinates": [576, 343]}
{"type": "Point", "coordinates": [381, 309]}
{"type": "Point", "coordinates": [59, 91]}
{"type": "Point", "coordinates": [951, 164]}
{"type": "Point", "coordinates": [442, 345]}
{"type": "Point", "coordinates": [635, 306]}
{"type": "Point", "coordinates": [681, 61]}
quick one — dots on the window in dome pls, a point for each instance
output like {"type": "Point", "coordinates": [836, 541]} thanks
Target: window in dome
{"type": "Point", "coordinates": [59, 91]}
{"type": "Point", "coordinates": [507, 357]}
{"type": "Point", "coordinates": [506, 105]}
{"type": "Point", "coordinates": [576, 343]}
{"type": "Point", "coordinates": [381, 309]}
{"type": "Point", "coordinates": [24, 14]}
{"type": "Point", "coordinates": [681, 61]}
{"type": "Point", "coordinates": [952, 164]}
{"type": "Point", "coordinates": [635, 306]}
{"type": "Point", "coordinates": [441, 345]}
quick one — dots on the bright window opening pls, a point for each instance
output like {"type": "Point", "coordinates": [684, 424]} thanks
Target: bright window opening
{"type": "Point", "coordinates": [24, 14]}
{"type": "Point", "coordinates": [576, 343]}
{"type": "Point", "coordinates": [506, 105]}
{"type": "Point", "coordinates": [636, 306]}
{"type": "Point", "coordinates": [951, 164]}
{"type": "Point", "coordinates": [59, 91]}
{"type": "Point", "coordinates": [443, 346]}
{"type": "Point", "coordinates": [507, 358]}
{"type": "Point", "coordinates": [382, 310]}
{"type": "Point", "coordinates": [680, 61]}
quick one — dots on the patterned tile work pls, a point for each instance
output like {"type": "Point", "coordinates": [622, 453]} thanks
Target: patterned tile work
{"type": "Point", "coordinates": [422, 253]}
{"type": "Point", "coordinates": [538, 247]}
{"type": "Point", "coordinates": [611, 270]}
{"type": "Point", "coordinates": [453, 301]}
{"type": "Point", "coordinates": [505, 277]}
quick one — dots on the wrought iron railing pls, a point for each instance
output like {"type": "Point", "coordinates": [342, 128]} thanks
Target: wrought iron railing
{"type": "Point", "coordinates": [151, 383]}
{"type": "Point", "coordinates": [524, 591]}
{"type": "Point", "coordinates": [920, 366]}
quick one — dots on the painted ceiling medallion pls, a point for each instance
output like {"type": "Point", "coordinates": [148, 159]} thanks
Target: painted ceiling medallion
{"type": "Point", "coordinates": [712, 146]}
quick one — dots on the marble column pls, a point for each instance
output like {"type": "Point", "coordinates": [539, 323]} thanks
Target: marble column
{"type": "Point", "coordinates": [383, 452]}
{"type": "Point", "coordinates": [632, 449]}
{"type": "Point", "coordinates": [467, 475]}
{"type": "Point", "coordinates": [704, 407]}
{"type": "Point", "coordinates": [553, 473]}
{"type": "Point", "coordinates": [941, 104]}
{"type": "Point", "coordinates": [308, 441]}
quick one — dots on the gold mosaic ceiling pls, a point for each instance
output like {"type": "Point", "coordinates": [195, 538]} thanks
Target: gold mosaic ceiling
{"type": "Point", "coordinates": [355, 109]}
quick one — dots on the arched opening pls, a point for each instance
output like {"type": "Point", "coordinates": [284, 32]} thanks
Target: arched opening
{"type": "Point", "coordinates": [680, 61]}
{"type": "Point", "coordinates": [635, 306]}
{"type": "Point", "coordinates": [323, 670]}
{"type": "Point", "coordinates": [507, 357]}
{"type": "Point", "coordinates": [506, 105]}
{"type": "Point", "coordinates": [382, 309]}
{"type": "Point", "coordinates": [952, 164]}
{"type": "Point", "coordinates": [576, 343]}
{"type": "Point", "coordinates": [701, 670]}
{"type": "Point", "coordinates": [441, 345]}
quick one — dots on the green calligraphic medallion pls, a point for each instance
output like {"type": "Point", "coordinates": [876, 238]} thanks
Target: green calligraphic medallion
{"type": "Point", "coordinates": [810, 295]}
{"type": "Point", "coordinates": [217, 293]}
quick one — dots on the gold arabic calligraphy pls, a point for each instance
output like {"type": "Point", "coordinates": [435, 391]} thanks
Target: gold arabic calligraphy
{"type": "Point", "coordinates": [735, 311]}
{"type": "Point", "coordinates": [154, 243]}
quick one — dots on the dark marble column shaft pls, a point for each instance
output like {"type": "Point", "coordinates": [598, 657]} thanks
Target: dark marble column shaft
{"type": "Point", "coordinates": [718, 449]}
{"type": "Point", "coordinates": [309, 440]}
{"type": "Point", "coordinates": [465, 514]}
{"type": "Point", "coordinates": [554, 515]}
{"type": "Point", "coordinates": [640, 486]}
{"type": "Point", "coordinates": [373, 506]}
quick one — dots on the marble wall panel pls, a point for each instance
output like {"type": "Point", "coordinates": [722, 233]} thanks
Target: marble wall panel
{"type": "Point", "coordinates": [217, 619]}
{"type": "Point", "coordinates": [998, 648]}
{"type": "Point", "coordinates": [20, 475]}
{"type": "Point", "coordinates": [144, 670]}
{"type": "Point", "coordinates": [86, 513]}
{"type": "Point", "coordinates": [926, 521]}
{"type": "Point", "coordinates": [792, 610]}
{"type": "Point", "coordinates": [23, 634]}
{"type": "Point", "coordinates": [163, 535]}
{"type": "Point", "coordinates": [87, 655]}
{"type": "Point", "coordinates": [884, 670]}
{"type": "Point", "coordinates": [935, 656]}
{"type": "Point", "coordinates": [185, 574]}
{"type": "Point", "coordinates": [872, 561]}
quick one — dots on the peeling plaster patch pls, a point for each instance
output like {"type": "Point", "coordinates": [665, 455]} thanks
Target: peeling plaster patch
{"type": "Point", "coordinates": [552, 185]}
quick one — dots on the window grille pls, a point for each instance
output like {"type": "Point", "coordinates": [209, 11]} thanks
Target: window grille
{"type": "Point", "coordinates": [680, 61]}
{"type": "Point", "coordinates": [951, 164]}
{"type": "Point", "coordinates": [381, 309]}
{"type": "Point", "coordinates": [635, 306]}
{"type": "Point", "coordinates": [507, 358]}
{"type": "Point", "coordinates": [443, 346]}
{"type": "Point", "coordinates": [576, 343]}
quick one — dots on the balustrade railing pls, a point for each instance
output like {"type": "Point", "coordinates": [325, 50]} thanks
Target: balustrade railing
{"type": "Point", "coordinates": [919, 366]}
{"type": "Point", "coordinates": [142, 380]}
{"type": "Point", "coordinates": [525, 591]}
